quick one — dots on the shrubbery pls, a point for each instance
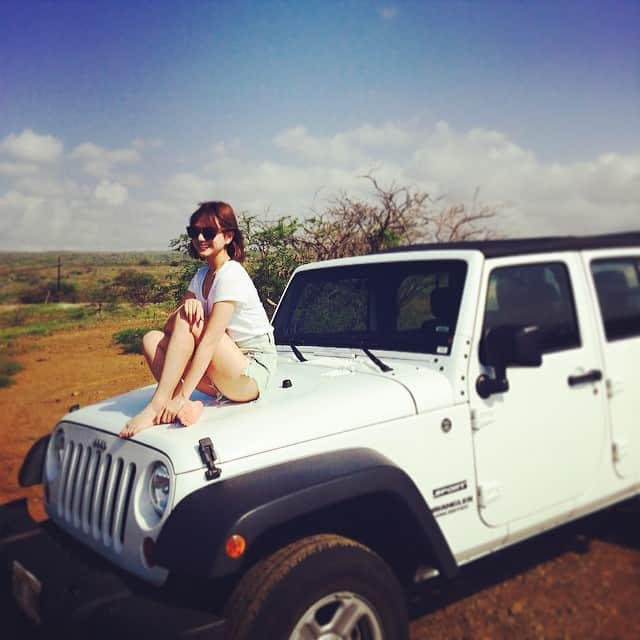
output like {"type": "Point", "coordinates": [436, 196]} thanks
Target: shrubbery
{"type": "Point", "coordinates": [139, 287]}
{"type": "Point", "coordinates": [130, 339]}
{"type": "Point", "coordinates": [8, 368]}
{"type": "Point", "coordinates": [50, 292]}
{"type": "Point", "coordinates": [348, 226]}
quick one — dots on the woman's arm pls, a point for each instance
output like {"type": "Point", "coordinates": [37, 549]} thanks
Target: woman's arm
{"type": "Point", "coordinates": [193, 310]}
{"type": "Point", "coordinates": [213, 332]}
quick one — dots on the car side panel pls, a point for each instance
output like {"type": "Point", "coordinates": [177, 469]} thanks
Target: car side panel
{"type": "Point", "coordinates": [252, 503]}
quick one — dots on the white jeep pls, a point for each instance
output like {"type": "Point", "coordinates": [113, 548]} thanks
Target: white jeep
{"type": "Point", "coordinates": [432, 405]}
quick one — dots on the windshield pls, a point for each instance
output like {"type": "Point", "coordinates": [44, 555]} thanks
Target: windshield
{"type": "Point", "coordinates": [396, 306]}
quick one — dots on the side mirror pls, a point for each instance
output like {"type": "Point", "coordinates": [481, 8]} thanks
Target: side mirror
{"type": "Point", "coordinates": [527, 350]}
{"type": "Point", "coordinates": [507, 346]}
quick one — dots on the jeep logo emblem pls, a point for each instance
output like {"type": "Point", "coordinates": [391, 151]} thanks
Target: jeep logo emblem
{"type": "Point", "coordinates": [100, 444]}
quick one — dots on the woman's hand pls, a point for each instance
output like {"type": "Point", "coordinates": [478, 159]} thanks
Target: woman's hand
{"type": "Point", "coordinates": [193, 311]}
{"type": "Point", "coordinates": [170, 412]}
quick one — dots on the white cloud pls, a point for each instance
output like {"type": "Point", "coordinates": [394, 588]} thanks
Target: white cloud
{"type": "Point", "coordinates": [189, 188]}
{"type": "Point", "coordinates": [343, 149]}
{"type": "Point", "coordinates": [100, 162]}
{"type": "Point", "coordinates": [14, 169]}
{"type": "Point", "coordinates": [223, 148]}
{"type": "Point", "coordinates": [336, 149]}
{"type": "Point", "coordinates": [20, 200]}
{"type": "Point", "coordinates": [388, 13]}
{"type": "Point", "coordinates": [302, 171]}
{"type": "Point", "coordinates": [147, 143]}
{"type": "Point", "coordinates": [79, 219]}
{"type": "Point", "coordinates": [537, 198]}
{"type": "Point", "coordinates": [113, 193]}
{"type": "Point", "coordinates": [29, 146]}
{"type": "Point", "coordinates": [131, 180]}
{"type": "Point", "coordinates": [45, 186]}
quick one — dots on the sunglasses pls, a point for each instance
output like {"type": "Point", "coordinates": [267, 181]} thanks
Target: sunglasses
{"type": "Point", "coordinates": [208, 233]}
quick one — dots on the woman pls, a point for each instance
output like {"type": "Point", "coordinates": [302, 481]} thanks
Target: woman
{"type": "Point", "coordinates": [219, 340]}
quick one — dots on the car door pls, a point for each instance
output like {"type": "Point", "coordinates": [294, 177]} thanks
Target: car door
{"type": "Point", "coordinates": [538, 443]}
{"type": "Point", "coordinates": [616, 284]}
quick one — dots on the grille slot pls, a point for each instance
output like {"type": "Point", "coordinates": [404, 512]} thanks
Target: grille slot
{"type": "Point", "coordinates": [89, 485]}
{"type": "Point", "coordinates": [113, 484]}
{"type": "Point", "coordinates": [131, 470]}
{"type": "Point", "coordinates": [81, 477]}
{"type": "Point", "coordinates": [66, 459]}
{"type": "Point", "coordinates": [95, 492]}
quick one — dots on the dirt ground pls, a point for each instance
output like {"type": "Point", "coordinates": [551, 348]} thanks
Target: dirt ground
{"type": "Point", "coordinates": [582, 581]}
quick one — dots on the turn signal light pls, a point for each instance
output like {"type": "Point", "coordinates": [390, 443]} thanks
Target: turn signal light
{"type": "Point", "coordinates": [235, 546]}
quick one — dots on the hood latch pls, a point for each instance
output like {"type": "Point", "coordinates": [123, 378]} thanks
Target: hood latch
{"type": "Point", "coordinates": [208, 455]}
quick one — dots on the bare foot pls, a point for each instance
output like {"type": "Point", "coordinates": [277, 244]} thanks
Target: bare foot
{"type": "Point", "coordinates": [190, 412]}
{"type": "Point", "coordinates": [144, 420]}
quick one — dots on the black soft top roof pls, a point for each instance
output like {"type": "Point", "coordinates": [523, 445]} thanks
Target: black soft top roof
{"type": "Point", "coordinates": [515, 246]}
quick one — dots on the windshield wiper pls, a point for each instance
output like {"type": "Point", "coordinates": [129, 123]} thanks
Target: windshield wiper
{"type": "Point", "coordinates": [383, 367]}
{"type": "Point", "coordinates": [297, 352]}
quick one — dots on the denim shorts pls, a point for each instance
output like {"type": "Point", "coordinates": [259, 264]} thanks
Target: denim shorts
{"type": "Point", "coordinates": [262, 359]}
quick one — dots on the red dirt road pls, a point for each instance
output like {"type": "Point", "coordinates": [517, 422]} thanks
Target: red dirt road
{"type": "Point", "coordinates": [582, 581]}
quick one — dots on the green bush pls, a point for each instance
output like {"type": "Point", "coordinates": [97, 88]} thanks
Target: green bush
{"type": "Point", "coordinates": [130, 339]}
{"type": "Point", "coordinates": [138, 288]}
{"type": "Point", "coordinates": [67, 292]}
{"type": "Point", "coordinates": [8, 368]}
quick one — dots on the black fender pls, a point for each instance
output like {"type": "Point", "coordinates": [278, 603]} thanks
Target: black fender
{"type": "Point", "coordinates": [33, 464]}
{"type": "Point", "coordinates": [193, 538]}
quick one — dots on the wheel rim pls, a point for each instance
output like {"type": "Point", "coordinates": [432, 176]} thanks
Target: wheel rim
{"type": "Point", "coordinates": [339, 616]}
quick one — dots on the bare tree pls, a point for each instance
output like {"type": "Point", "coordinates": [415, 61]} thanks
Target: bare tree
{"type": "Point", "coordinates": [397, 216]}
{"type": "Point", "coordinates": [456, 222]}
{"type": "Point", "coordinates": [349, 226]}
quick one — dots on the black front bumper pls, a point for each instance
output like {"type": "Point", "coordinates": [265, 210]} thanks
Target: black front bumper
{"type": "Point", "coordinates": [75, 592]}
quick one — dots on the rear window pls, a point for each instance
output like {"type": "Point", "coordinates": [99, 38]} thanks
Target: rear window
{"type": "Point", "coordinates": [398, 306]}
{"type": "Point", "coordinates": [617, 283]}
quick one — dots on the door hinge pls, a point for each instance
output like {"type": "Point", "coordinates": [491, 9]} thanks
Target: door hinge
{"type": "Point", "coordinates": [487, 493]}
{"type": "Point", "coordinates": [614, 387]}
{"type": "Point", "coordinates": [481, 418]}
{"type": "Point", "coordinates": [619, 450]}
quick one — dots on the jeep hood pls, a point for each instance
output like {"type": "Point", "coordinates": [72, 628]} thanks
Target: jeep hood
{"type": "Point", "coordinates": [324, 397]}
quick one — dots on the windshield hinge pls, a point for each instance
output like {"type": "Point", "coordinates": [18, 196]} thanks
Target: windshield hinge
{"type": "Point", "coordinates": [208, 455]}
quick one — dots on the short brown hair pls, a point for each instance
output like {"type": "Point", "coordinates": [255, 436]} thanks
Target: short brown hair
{"type": "Point", "coordinates": [221, 215]}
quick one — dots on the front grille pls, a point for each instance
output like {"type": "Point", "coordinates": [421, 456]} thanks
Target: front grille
{"type": "Point", "coordinates": [94, 493]}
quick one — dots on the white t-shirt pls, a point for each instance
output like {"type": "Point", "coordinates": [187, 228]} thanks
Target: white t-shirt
{"type": "Point", "coordinates": [233, 284]}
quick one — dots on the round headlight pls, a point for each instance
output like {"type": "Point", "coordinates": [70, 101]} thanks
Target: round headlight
{"type": "Point", "coordinates": [159, 485]}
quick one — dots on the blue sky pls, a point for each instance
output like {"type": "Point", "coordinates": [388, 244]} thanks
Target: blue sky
{"type": "Point", "coordinates": [117, 117]}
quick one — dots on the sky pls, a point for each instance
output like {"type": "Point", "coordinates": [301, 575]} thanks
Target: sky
{"type": "Point", "coordinates": [117, 118]}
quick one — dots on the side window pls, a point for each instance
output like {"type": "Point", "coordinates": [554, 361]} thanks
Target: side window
{"type": "Point", "coordinates": [535, 294]}
{"type": "Point", "coordinates": [617, 284]}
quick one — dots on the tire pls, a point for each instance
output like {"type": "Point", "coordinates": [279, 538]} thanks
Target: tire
{"type": "Point", "coordinates": [317, 586]}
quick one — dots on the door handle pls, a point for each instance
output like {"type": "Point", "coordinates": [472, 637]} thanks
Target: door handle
{"type": "Point", "coordinates": [591, 376]}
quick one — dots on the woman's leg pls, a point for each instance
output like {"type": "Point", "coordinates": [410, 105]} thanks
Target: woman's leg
{"type": "Point", "coordinates": [169, 364]}
{"type": "Point", "coordinates": [154, 346]}
{"type": "Point", "coordinates": [226, 373]}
